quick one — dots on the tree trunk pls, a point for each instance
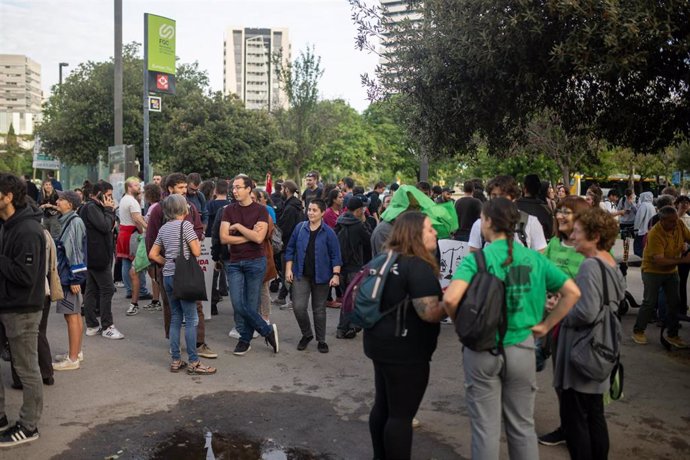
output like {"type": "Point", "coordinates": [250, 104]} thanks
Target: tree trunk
{"type": "Point", "coordinates": [423, 167]}
{"type": "Point", "coordinates": [565, 171]}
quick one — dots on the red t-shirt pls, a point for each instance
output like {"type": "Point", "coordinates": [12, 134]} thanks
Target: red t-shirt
{"type": "Point", "coordinates": [248, 216]}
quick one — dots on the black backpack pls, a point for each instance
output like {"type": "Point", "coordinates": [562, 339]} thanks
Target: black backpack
{"type": "Point", "coordinates": [482, 315]}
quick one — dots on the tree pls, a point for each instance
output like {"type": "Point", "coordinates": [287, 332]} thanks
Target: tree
{"type": "Point", "coordinates": [13, 157]}
{"type": "Point", "coordinates": [216, 137]}
{"type": "Point", "coordinates": [300, 81]}
{"type": "Point", "coordinates": [488, 67]}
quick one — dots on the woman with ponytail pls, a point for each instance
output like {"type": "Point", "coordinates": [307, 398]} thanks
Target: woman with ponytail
{"type": "Point", "coordinates": [503, 385]}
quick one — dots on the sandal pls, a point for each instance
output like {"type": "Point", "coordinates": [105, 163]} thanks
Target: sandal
{"type": "Point", "coordinates": [198, 368]}
{"type": "Point", "coordinates": [176, 366]}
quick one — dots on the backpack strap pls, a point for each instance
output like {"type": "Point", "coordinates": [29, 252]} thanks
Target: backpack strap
{"type": "Point", "coordinates": [64, 227]}
{"type": "Point", "coordinates": [520, 228]}
{"type": "Point", "coordinates": [480, 260]}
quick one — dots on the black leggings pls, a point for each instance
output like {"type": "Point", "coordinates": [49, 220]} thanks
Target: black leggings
{"type": "Point", "coordinates": [399, 391]}
{"type": "Point", "coordinates": [582, 417]}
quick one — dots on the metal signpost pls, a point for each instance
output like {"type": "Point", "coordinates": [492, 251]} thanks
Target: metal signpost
{"type": "Point", "coordinates": [159, 70]}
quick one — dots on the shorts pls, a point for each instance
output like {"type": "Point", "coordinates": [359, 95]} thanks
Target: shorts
{"type": "Point", "coordinates": [71, 304]}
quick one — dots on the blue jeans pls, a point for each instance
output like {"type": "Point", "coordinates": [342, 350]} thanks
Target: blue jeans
{"type": "Point", "coordinates": [245, 279]}
{"type": "Point", "coordinates": [126, 265]}
{"type": "Point", "coordinates": [178, 309]}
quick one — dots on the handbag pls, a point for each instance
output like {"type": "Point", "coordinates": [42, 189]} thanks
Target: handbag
{"type": "Point", "coordinates": [189, 277]}
{"type": "Point", "coordinates": [597, 353]}
{"type": "Point", "coordinates": [141, 259]}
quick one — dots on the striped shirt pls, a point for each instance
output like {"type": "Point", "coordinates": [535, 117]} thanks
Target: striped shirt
{"type": "Point", "coordinates": [169, 239]}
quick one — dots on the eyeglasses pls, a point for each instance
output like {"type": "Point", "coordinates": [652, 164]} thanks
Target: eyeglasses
{"type": "Point", "coordinates": [238, 187]}
{"type": "Point", "coordinates": [564, 211]}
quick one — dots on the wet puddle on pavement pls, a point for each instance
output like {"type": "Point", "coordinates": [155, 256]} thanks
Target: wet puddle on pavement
{"type": "Point", "coordinates": [192, 446]}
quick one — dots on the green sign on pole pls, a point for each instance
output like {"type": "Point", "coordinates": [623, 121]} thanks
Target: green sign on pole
{"type": "Point", "coordinates": [161, 44]}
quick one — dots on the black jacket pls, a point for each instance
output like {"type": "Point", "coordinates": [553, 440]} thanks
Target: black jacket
{"type": "Point", "coordinates": [293, 214]}
{"type": "Point", "coordinates": [22, 262]}
{"type": "Point", "coordinates": [354, 237]}
{"type": "Point", "coordinates": [99, 222]}
{"type": "Point", "coordinates": [218, 251]}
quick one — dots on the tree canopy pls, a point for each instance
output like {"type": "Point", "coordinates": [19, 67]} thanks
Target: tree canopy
{"type": "Point", "coordinates": [617, 70]}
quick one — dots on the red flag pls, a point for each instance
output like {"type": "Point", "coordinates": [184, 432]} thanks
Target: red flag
{"type": "Point", "coordinates": [269, 183]}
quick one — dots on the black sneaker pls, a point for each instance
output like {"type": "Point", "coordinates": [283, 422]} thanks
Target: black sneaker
{"type": "Point", "coordinates": [554, 438]}
{"type": "Point", "coordinates": [304, 341]}
{"type": "Point", "coordinates": [345, 334]}
{"type": "Point", "coordinates": [16, 435]}
{"type": "Point", "coordinates": [241, 348]}
{"type": "Point", "coordinates": [4, 424]}
{"type": "Point", "coordinates": [214, 309]}
{"type": "Point", "coordinates": [322, 347]}
{"type": "Point", "coordinates": [272, 339]}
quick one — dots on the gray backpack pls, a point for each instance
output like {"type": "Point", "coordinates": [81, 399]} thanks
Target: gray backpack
{"type": "Point", "coordinates": [597, 353]}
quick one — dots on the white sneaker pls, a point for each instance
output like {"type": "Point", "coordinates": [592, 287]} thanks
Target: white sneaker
{"type": "Point", "coordinates": [112, 333]}
{"type": "Point", "coordinates": [91, 331]}
{"type": "Point", "coordinates": [119, 284]}
{"type": "Point", "coordinates": [66, 365]}
{"type": "Point", "coordinates": [236, 335]}
{"type": "Point", "coordinates": [446, 321]}
{"type": "Point", "coordinates": [132, 310]}
{"type": "Point", "coordinates": [64, 356]}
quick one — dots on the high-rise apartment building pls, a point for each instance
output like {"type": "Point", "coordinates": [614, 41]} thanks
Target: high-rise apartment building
{"type": "Point", "coordinates": [248, 69]}
{"type": "Point", "coordinates": [395, 12]}
{"type": "Point", "coordinates": [20, 93]}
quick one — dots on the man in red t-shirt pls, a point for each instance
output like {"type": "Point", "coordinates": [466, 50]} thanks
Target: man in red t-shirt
{"type": "Point", "coordinates": [243, 227]}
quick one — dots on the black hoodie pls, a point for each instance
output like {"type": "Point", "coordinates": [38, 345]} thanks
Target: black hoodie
{"type": "Point", "coordinates": [293, 214]}
{"type": "Point", "coordinates": [355, 241]}
{"type": "Point", "coordinates": [22, 262]}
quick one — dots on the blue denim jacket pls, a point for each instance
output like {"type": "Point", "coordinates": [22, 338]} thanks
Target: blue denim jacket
{"type": "Point", "coordinates": [327, 252]}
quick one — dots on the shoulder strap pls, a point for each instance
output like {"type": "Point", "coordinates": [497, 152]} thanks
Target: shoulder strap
{"type": "Point", "coordinates": [607, 300]}
{"type": "Point", "coordinates": [64, 227]}
{"type": "Point", "coordinates": [522, 224]}
{"type": "Point", "coordinates": [181, 252]}
{"type": "Point", "coordinates": [481, 261]}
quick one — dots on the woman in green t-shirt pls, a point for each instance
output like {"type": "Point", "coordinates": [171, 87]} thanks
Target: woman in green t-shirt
{"type": "Point", "coordinates": [505, 384]}
{"type": "Point", "coordinates": [562, 253]}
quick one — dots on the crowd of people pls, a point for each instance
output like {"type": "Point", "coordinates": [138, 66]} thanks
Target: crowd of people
{"type": "Point", "coordinates": [74, 248]}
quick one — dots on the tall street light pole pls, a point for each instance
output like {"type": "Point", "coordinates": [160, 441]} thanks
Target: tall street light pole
{"type": "Point", "coordinates": [61, 65]}
{"type": "Point", "coordinates": [117, 93]}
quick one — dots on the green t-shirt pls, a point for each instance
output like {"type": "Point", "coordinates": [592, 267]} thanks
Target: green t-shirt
{"type": "Point", "coordinates": [564, 257]}
{"type": "Point", "coordinates": [527, 280]}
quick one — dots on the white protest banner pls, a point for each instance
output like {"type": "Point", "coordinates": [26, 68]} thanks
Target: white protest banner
{"type": "Point", "coordinates": [206, 264]}
{"type": "Point", "coordinates": [452, 252]}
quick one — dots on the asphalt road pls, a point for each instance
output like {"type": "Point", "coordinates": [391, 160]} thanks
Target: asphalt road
{"type": "Point", "coordinates": [124, 403]}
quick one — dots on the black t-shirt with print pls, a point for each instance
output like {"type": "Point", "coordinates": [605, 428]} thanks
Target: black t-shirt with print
{"type": "Point", "coordinates": [412, 277]}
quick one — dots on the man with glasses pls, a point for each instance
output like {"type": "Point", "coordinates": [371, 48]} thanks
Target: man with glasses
{"type": "Point", "coordinates": [244, 227]}
{"type": "Point", "coordinates": [528, 231]}
{"type": "Point", "coordinates": [22, 277]}
{"type": "Point", "coordinates": [197, 198]}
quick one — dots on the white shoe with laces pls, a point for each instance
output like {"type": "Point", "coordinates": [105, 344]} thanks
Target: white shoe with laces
{"type": "Point", "coordinates": [91, 331]}
{"type": "Point", "coordinates": [132, 310]}
{"type": "Point", "coordinates": [66, 365]}
{"type": "Point", "coordinates": [113, 333]}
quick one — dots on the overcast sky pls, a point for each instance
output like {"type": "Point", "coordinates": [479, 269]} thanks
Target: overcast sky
{"type": "Point", "coordinates": [76, 31]}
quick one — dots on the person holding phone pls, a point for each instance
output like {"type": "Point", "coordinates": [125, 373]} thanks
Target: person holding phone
{"type": "Point", "coordinates": [99, 218]}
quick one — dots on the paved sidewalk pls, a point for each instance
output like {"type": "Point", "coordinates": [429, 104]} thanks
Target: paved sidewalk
{"type": "Point", "coordinates": [124, 402]}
